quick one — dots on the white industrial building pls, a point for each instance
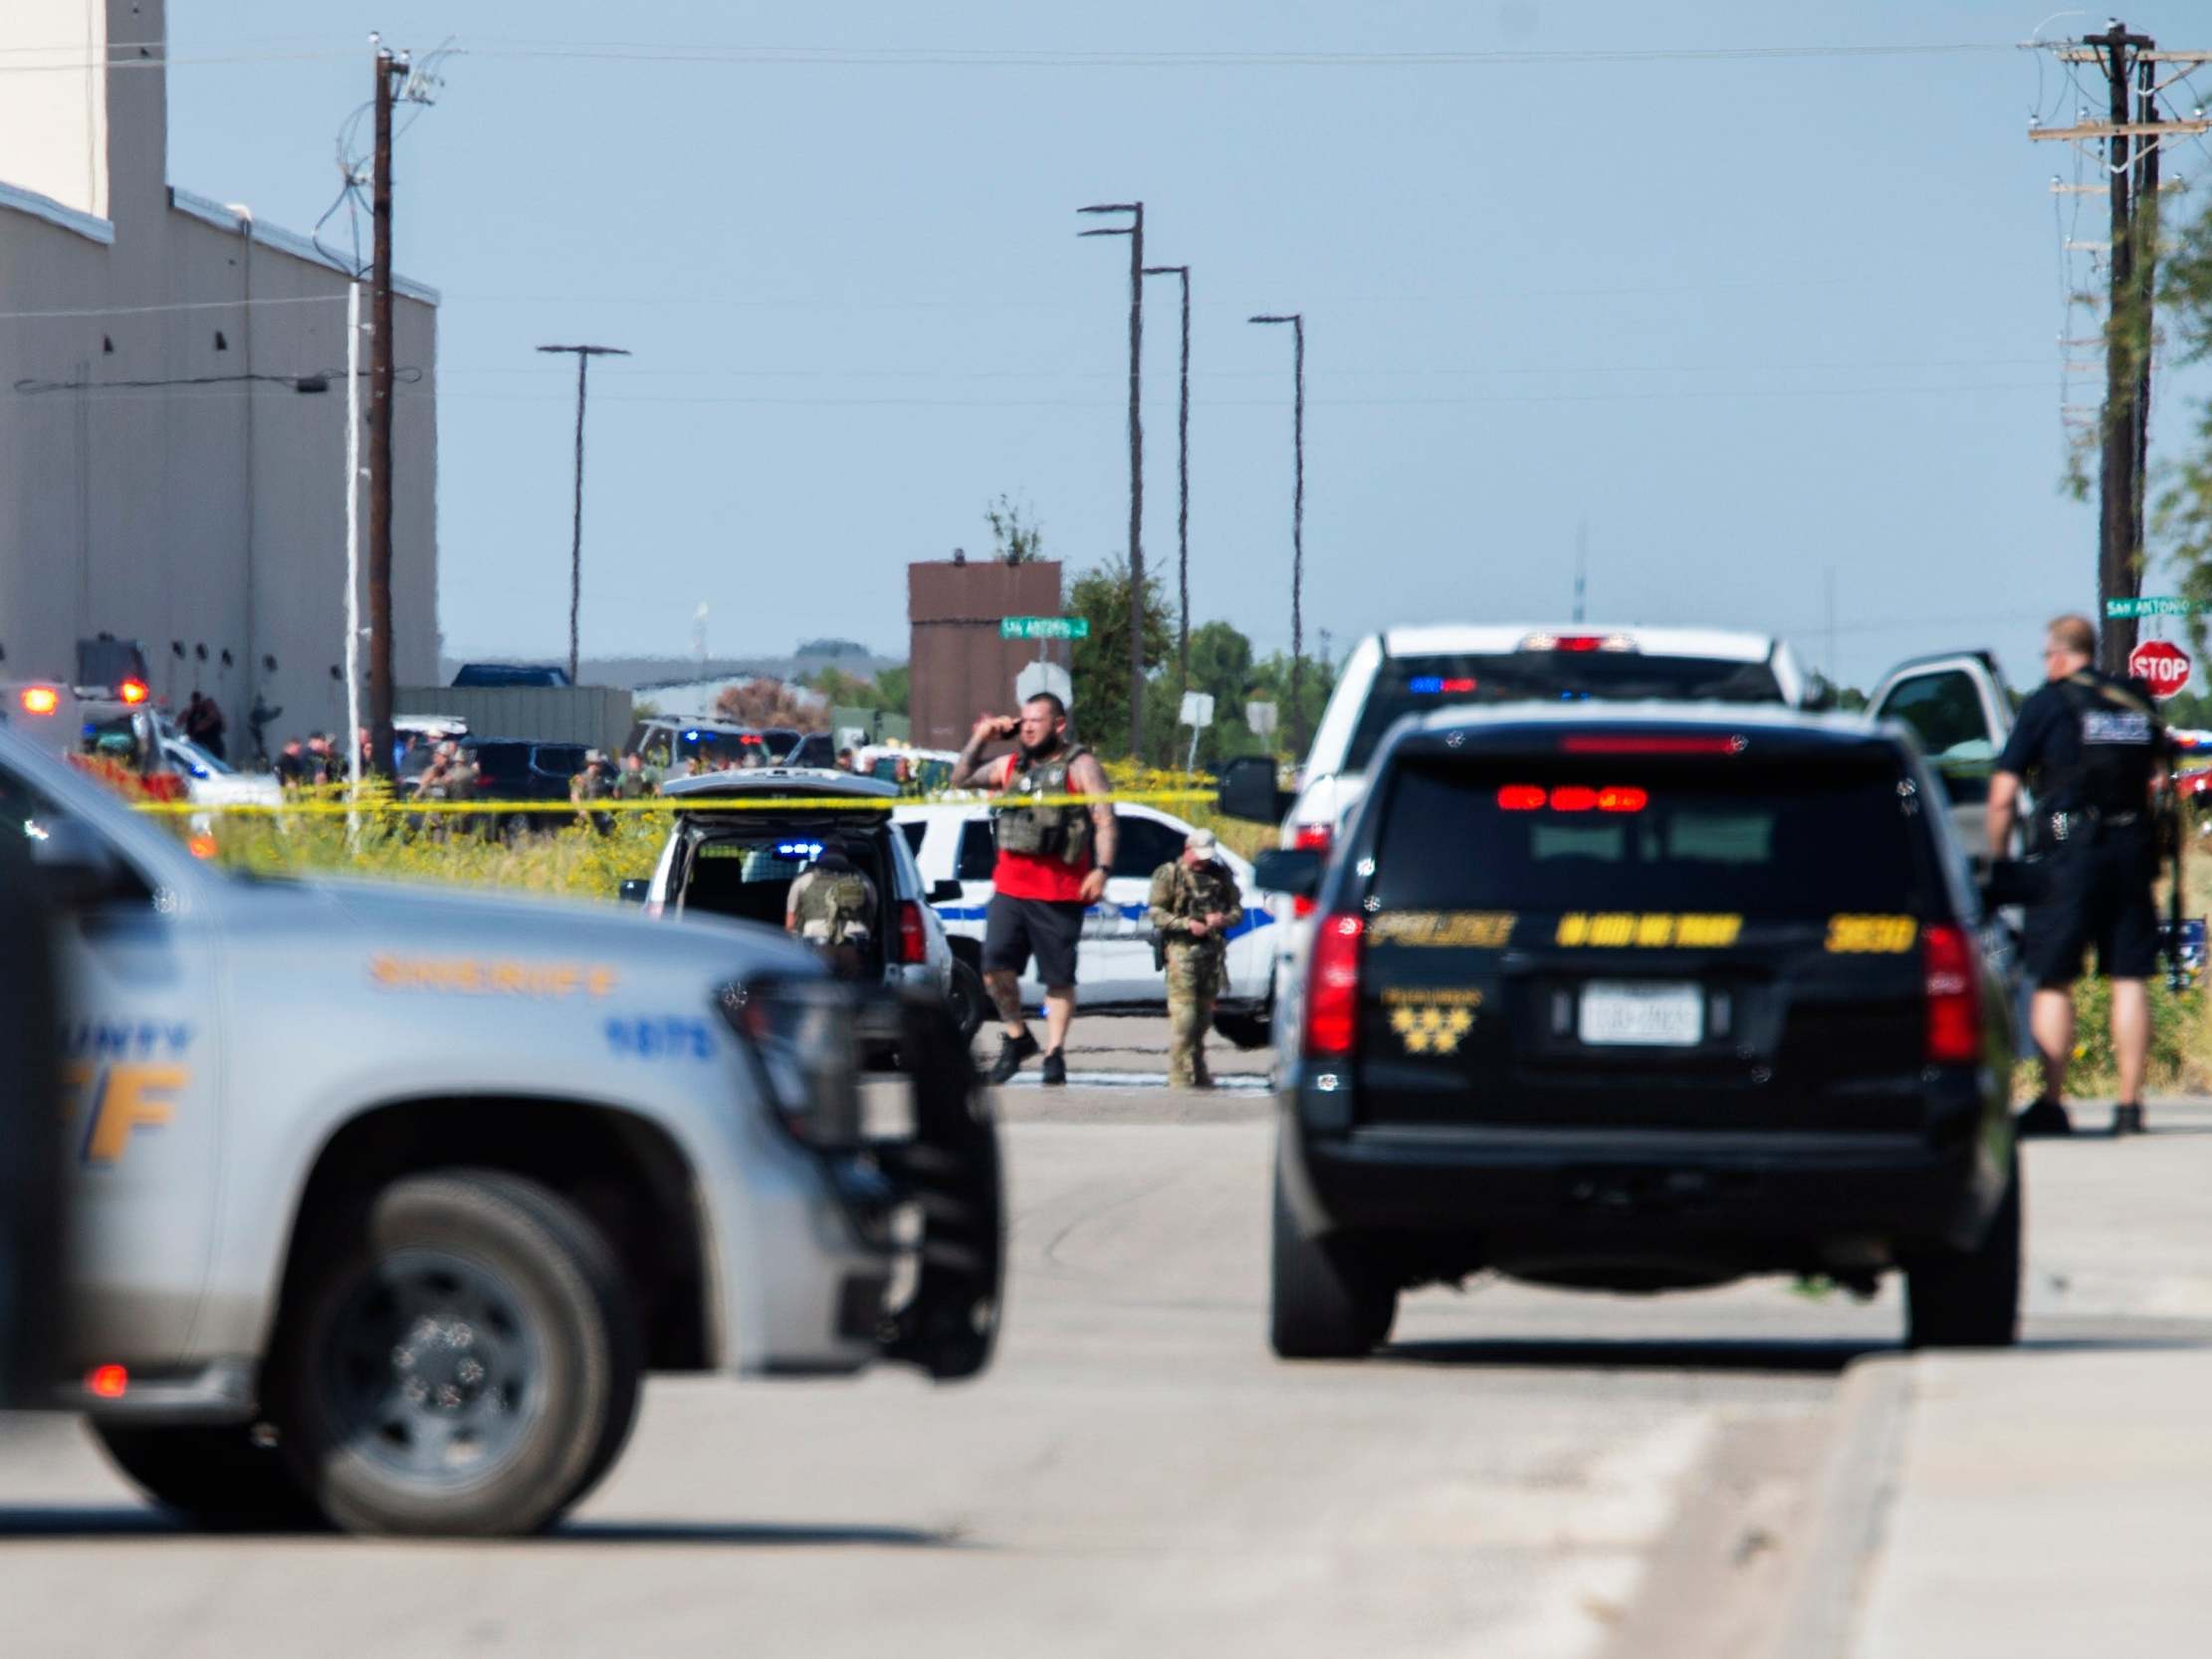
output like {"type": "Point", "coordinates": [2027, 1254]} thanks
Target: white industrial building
{"type": "Point", "coordinates": [173, 399]}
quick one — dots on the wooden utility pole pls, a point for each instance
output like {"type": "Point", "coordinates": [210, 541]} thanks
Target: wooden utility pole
{"type": "Point", "coordinates": [1135, 231]}
{"type": "Point", "coordinates": [389, 71]}
{"type": "Point", "coordinates": [585, 354]}
{"type": "Point", "coordinates": [2132, 136]}
{"type": "Point", "coordinates": [1181, 489]}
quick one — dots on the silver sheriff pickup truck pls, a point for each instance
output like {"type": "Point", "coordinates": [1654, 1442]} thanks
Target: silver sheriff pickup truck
{"type": "Point", "coordinates": [385, 1199]}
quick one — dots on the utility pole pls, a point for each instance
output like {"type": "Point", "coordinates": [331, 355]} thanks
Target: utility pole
{"type": "Point", "coordinates": [1582, 564]}
{"type": "Point", "coordinates": [1135, 231]}
{"type": "Point", "coordinates": [2132, 136]}
{"type": "Point", "coordinates": [1297, 323]}
{"type": "Point", "coordinates": [585, 354]}
{"type": "Point", "coordinates": [390, 68]}
{"type": "Point", "coordinates": [1183, 489]}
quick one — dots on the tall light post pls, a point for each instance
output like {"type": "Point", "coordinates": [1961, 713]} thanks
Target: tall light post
{"type": "Point", "coordinates": [1183, 489]}
{"type": "Point", "coordinates": [1135, 231]}
{"type": "Point", "coordinates": [1297, 323]}
{"type": "Point", "coordinates": [584, 354]}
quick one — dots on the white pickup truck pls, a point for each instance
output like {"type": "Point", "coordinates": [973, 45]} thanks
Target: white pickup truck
{"type": "Point", "coordinates": [383, 1201]}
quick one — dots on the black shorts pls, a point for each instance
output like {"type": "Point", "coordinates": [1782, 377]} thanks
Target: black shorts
{"type": "Point", "coordinates": [2098, 894]}
{"type": "Point", "coordinates": [1014, 930]}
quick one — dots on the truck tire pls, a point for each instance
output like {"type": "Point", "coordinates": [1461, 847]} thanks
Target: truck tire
{"type": "Point", "coordinates": [212, 1475]}
{"type": "Point", "coordinates": [458, 1359]}
{"type": "Point", "coordinates": [1327, 1298]}
{"type": "Point", "coordinates": [1969, 1297]}
{"type": "Point", "coordinates": [966, 996]}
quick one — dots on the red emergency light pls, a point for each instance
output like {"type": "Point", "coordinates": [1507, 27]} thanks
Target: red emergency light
{"type": "Point", "coordinates": [132, 690]}
{"type": "Point", "coordinates": [109, 1382]}
{"type": "Point", "coordinates": [41, 700]}
{"type": "Point", "coordinates": [1572, 797]}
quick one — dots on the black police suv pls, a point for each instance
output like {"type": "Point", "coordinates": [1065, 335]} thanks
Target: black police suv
{"type": "Point", "coordinates": [1639, 999]}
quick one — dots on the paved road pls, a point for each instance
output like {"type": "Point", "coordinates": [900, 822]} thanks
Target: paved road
{"type": "Point", "coordinates": [1135, 1476]}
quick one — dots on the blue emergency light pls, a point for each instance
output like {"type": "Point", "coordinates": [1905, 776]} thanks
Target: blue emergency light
{"type": "Point", "coordinates": [799, 849]}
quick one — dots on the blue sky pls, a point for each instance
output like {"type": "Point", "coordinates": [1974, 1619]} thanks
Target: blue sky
{"type": "Point", "coordinates": [1748, 319]}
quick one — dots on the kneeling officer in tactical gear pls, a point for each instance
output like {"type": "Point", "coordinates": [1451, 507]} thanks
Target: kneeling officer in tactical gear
{"type": "Point", "coordinates": [832, 907]}
{"type": "Point", "coordinates": [2094, 748]}
{"type": "Point", "coordinates": [1195, 902]}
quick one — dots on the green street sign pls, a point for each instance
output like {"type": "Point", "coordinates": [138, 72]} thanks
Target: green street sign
{"type": "Point", "coordinates": [1044, 627]}
{"type": "Point", "coordinates": [2165, 605]}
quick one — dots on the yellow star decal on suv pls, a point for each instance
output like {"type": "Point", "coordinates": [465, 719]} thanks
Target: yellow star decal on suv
{"type": "Point", "coordinates": [1431, 1028]}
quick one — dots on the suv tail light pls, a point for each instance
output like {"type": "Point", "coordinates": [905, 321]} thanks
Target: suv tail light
{"type": "Point", "coordinates": [1953, 993]}
{"type": "Point", "coordinates": [1311, 838]}
{"type": "Point", "coordinates": [1333, 989]}
{"type": "Point", "coordinates": [914, 943]}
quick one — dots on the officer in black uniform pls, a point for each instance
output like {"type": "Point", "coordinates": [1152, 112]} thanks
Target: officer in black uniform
{"type": "Point", "coordinates": [2093, 748]}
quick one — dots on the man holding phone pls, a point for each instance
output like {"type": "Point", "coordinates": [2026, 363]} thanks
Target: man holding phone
{"type": "Point", "coordinates": [1053, 858]}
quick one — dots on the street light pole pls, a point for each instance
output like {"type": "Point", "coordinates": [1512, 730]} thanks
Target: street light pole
{"type": "Point", "coordinates": [1183, 489]}
{"type": "Point", "coordinates": [1135, 231]}
{"type": "Point", "coordinates": [584, 354]}
{"type": "Point", "coordinates": [1297, 323]}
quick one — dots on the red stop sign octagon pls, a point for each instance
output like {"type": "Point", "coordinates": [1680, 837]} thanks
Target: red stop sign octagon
{"type": "Point", "coordinates": [2160, 665]}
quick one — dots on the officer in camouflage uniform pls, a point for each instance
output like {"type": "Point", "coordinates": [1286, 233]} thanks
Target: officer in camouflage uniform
{"type": "Point", "coordinates": [832, 907]}
{"type": "Point", "coordinates": [1194, 903]}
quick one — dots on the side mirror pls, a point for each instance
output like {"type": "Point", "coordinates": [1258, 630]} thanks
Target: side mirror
{"type": "Point", "coordinates": [947, 893]}
{"type": "Point", "coordinates": [2010, 881]}
{"type": "Point", "coordinates": [636, 890]}
{"type": "Point", "coordinates": [73, 865]}
{"type": "Point", "coordinates": [1292, 870]}
{"type": "Point", "coordinates": [1247, 790]}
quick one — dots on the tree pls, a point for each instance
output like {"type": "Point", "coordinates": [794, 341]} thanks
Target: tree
{"type": "Point", "coordinates": [1100, 663]}
{"type": "Point", "coordinates": [765, 702]}
{"type": "Point", "coordinates": [887, 691]}
{"type": "Point", "coordinates": [1015, 535]}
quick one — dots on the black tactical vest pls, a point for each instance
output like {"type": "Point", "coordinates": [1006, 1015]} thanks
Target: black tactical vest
{"type": "Point", "coordinates": [2120, 742]}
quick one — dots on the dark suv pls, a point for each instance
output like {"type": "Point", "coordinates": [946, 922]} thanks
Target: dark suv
{"type": "Point", "coordinates": [1639, 1000]}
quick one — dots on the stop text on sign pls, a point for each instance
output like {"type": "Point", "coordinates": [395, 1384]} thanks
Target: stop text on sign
{"type": "Point", "coordinates": [2161, 665]}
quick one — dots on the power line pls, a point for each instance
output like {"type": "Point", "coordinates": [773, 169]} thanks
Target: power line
{"type": "Point", "coordinates": [2038, 387]}
{"type": "Point", "coordinates": [70, 58]}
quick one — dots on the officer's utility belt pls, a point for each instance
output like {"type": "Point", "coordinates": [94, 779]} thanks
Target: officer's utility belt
{"type": "Point", "coordinates": [2090, 823]}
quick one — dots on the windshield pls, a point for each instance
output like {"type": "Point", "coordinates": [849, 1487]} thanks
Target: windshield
{"type": "Point", "coordinates": [1747, 838]}
{"type": "Point", "coordinates": [1416, 684]}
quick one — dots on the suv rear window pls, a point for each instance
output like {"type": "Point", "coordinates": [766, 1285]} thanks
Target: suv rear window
{"type": "Point", "coordinates": [1416, 684]}
{"type": "Point", "coordinates": [1755, 839]}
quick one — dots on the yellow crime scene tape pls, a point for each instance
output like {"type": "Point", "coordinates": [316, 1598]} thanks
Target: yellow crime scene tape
{"type": "Point", "coordinates": [379, 805]}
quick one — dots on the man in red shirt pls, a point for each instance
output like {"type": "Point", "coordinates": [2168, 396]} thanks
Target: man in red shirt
{"type": "Point", "coordinates": [1052, 863]}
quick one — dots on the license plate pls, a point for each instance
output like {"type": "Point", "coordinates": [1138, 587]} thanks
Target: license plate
{"type": "Point", "coordinates": [1629, 1013]}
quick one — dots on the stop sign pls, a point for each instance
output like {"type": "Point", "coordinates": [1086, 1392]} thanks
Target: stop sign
{"type": "Point", "coordinates": [2160, 665]}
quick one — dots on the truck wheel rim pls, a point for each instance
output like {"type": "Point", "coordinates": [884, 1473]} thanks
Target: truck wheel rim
{"type": "Point", "coordinates": [433, 1371]}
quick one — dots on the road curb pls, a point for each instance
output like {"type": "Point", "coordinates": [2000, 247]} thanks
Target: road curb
{"type": "Point", "coordinates": [1849, 1509]}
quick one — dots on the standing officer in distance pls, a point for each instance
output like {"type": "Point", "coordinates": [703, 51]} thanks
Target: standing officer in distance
{"type": "Point", "coordinates": [1052, 863]}
{"type": "Point", "coordinates": [1194, 903]}
{"type": "Point", "coordinates": [2095, 749]}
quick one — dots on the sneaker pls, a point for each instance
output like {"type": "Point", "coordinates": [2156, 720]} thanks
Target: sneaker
{"type": "Point", "coordinates": [1011, 1052]}
{"type": "Point", "coordinates": [2046, 1118]}
{"type": "Point", "coordinates": [1055, 1069]}
{"type": "Point", "coordinates": [2128, 1120]}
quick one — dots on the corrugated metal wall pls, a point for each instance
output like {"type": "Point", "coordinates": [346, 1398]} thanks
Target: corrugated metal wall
{"type": "Point", "coordinates": [598, 716]}
{"type": "Point", "coordinates": [961, 668]}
